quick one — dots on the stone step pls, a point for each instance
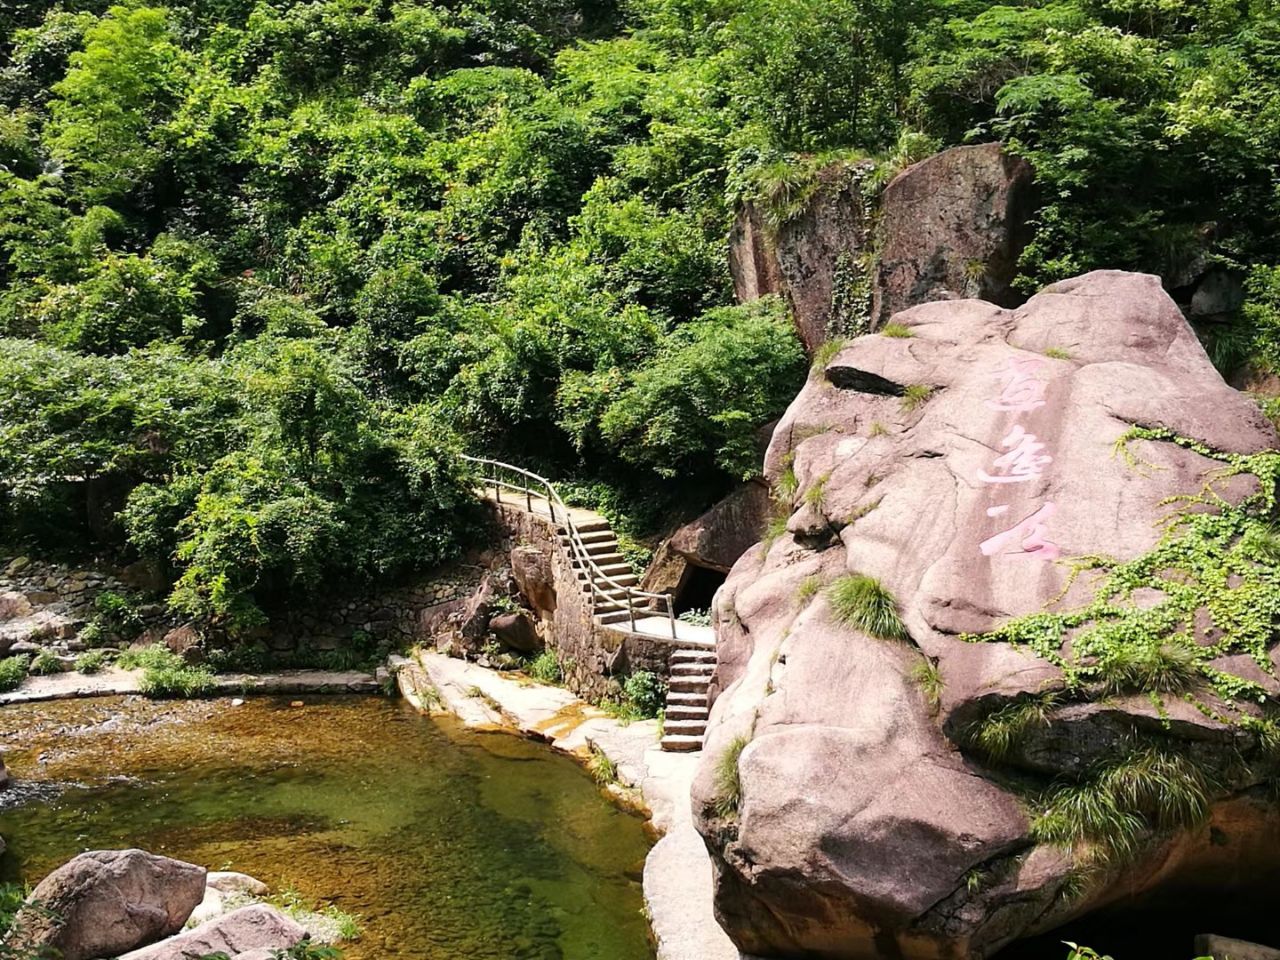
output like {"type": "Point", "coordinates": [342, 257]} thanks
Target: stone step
{"type": "Point", "coordinates": [605, 593]}
{"type": "Point", "coordinates": [687, 711]}
{"type": "Point", "coordinates": [692, 655]}
{"type": "Point", "coordinates": [604, 535]}
{"type": "Point", "coordinates": [617, 611]}
{"type": "Point", "coordinates": [610, 616]}
{"type": "Point", "coordinates": [623, 579]}
{"type": "Point", "coordinates": [700, 669]}
{"type": "Point", "coordinates": [689, 684]}
{"type": "Point", "coordinates": [600, 560]}
{"type": "Point", "coordinates": [589, 526]}
{"type": "Point", "coordinates": [615, 570]}
{"type": "Point", "coordinates": [685, 697]}
{"type": "Point", "coordinates": [679, 743]}
{"type": "Point", "coordinates": [687, 728]}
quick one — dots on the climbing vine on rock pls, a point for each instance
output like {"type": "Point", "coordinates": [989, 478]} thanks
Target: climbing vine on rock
{"type": "Point", "coordinates": [1216, 556]}
{"type": "Point", "coordinates": [1157, 625]}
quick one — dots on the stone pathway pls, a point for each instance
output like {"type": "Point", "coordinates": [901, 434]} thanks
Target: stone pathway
{"type": "Point", "coordinates": [114, 682]}
{"type": "Point", "coordinates": [677, 873]}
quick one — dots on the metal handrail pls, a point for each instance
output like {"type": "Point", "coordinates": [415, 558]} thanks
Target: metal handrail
{"type": "Point", "coordinates": [579, 549]}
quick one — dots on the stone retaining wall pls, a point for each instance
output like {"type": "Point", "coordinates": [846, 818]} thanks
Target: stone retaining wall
{"type": "Point", "coordinates": [404, 613]}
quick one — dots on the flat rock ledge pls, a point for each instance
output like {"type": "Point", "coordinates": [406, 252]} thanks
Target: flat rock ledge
{"type": "Point", "coordinates": [677, 873]}
{"type": "Point", "coordinates": [113, 682]}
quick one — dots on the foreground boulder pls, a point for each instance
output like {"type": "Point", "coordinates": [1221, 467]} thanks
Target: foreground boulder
{"type": "Point", "coordinates": [252, 928]}
{"type": "Point", "coordinates": [106, 902]}
{"type": "Point", "coordinates": [516, 631]}
{"type": "Point", "coordinates": [871, 778]}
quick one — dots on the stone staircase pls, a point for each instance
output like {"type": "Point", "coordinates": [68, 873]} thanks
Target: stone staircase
{"type": "Point", "coordinates": [608, 570]}
{"type": "Point", "coordinates": [618, 603]}
{"type": "Point", "coordinates": [686, 716]}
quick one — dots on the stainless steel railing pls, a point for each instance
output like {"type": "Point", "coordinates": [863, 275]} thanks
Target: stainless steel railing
{"type": "Point", "coordinates": [604, 591]}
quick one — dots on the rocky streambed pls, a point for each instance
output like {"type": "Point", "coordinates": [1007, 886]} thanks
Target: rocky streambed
{"type": "Point", "coordinates": [445, 843]}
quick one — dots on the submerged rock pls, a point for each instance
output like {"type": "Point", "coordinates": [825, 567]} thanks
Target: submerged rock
{"type": "Point", "coordinates": [228, 881]}
{"type": "Point", "coordinates": [106, 902]}
{"type": "Point", "coordinates": [848, 810]}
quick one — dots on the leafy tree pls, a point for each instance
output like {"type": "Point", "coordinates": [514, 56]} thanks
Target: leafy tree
{"type": "Point", "coordinates": [120, 87]}
{"type": "Point", "coordinates": [701, 400]}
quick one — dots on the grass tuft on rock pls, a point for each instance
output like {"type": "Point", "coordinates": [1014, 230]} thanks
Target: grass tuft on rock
{"type": "Point", "coordinates": [863, 602]}
{"type": "Point", "coordinates": [601, 767]}
{"type": "Point", "coordinates": [728, 779]}
{"type": "Point", "coordinates": [809, 588]}
{"type": "Point", "coordinates": [815, 497]}
{"type": "Point", "coordinates": [825, 353]}
{"type": "Point", "coordinates": [928, 678]}
{"type": "Point", "coordinates": [1145, 790]}
{"type": "Point", "coordinates": [1000, 731]}
{"type": "Point", "coordinates": [1149, 667]}
{"type": "Point", "coordinates": [897, 330]}
{"type": "Point", "coordinates": [915, 396]}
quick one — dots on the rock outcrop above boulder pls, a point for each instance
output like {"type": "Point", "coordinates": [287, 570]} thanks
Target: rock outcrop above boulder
{"type": "Point", "coordinates": [953, 226]}
{"type": "Point", "coordinates": [714, 541]}
{"type": "Point", "coordinates": [852, 793]}
{"type": "Point", "coordinates": [107, 902]}
{"type": "Point", "coordinates": [813, 256]}
{"type": "Point", "coordinates": [950, 226]}
{"type": "Point", "coordinates": [728, 530]}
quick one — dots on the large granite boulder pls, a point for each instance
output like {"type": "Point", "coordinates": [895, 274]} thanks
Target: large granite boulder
{"type": "Point", "coordinates": [106, 902]}
{"type": "Point", "coordinates": [517, 631]}
{"type": "Point", "coordinates": [714, 540]}
{"type": "Point", "coordinates": [728, 530]}
{"type": "Point", "coordinates": [534, 578]}
{"type": "Point", "coordinates": [848, 807]}
{"type": "Point", "coordinates": [251, 928]}
{"type": "Point", "coordinates": [953, 226]}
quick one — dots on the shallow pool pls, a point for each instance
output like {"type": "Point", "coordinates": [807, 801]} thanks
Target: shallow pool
{"type": "Point", "coordinates": [447, 844]}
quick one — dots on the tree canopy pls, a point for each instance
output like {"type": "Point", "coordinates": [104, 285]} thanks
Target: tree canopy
{"type": "Point", "coordinates": [266, 266]}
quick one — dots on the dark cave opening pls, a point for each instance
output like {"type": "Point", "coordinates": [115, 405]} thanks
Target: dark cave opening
{"type": "Point", "coordinates": [698, 588]}
{"type": "Point", "coordinates": [1136, 930]}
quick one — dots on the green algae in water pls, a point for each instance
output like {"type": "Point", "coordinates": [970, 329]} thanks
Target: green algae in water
{"type": "Point", "coordinates": [447, 844]}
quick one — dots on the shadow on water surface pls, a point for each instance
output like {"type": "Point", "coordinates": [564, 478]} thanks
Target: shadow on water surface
{"type": "Point", "coordinates": [448, 844]}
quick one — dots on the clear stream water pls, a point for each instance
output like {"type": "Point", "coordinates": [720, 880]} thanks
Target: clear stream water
{"type": "Point", "coordinates": [447, 844]}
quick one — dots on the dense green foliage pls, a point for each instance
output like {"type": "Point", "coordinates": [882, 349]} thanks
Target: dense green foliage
{"type": "Point", "coordinates": [266, 266]}
{"type": "Point", "coordinates": [13, 670]}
